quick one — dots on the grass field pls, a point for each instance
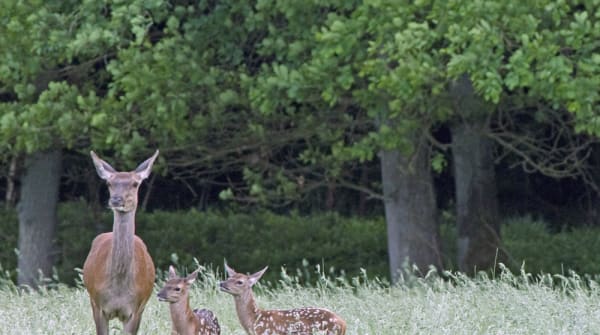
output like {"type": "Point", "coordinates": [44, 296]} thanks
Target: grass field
{"type": "Point", "coordinates": [509, 304]}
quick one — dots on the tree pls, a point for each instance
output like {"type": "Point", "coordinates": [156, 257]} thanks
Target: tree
{"type": "Point", "coordinates": [322, 73]}
{"type": "Point", "coordinates": [126, 79]}
{"type": "Point", "coordinates": [509, 60]}
{"type": "Point", "coordinates": [37, 216]}
{"type": "Point", "coordinates": [478, 221]}
{"type": "Point", "coordinates": [100, 77]}
{"type": "Point", "coordinates": [406, 68]}
{"type": "Point", "coordinates": [37, 116]}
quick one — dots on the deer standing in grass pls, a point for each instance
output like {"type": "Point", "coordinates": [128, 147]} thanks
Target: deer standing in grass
{"type": "Point", "coordinates": [118, 272]}
{"type": "Point", "coordinates": [176, 292]}
{"type": "Point", "coordinates": [256, 321]}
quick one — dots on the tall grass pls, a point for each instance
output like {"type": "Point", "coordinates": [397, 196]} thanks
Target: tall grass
{"type": "Point", "coordinates": [434, 304]}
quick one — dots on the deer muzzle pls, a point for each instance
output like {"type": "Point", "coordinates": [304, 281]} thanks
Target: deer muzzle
{"type": "Point", "coordinates": [116, 202]}
{"type": "Point", "coordinates": [161, 296]}
{"type": "Point", "coordinates": [223, 286]}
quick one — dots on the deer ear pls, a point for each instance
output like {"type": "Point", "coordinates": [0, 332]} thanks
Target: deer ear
{"type": "Point", "coordinates": [172, 273]}
{"type": "Point", "coordinates": [230, 272]}
{"type": "Point", "coordinates": [191, 277]}
{"type": "Point", "coordinates": [104, 170]}
{"type": "Point", "coordinates": [143, 170]}
{"type": "Point", "coordinates": [256, 276]}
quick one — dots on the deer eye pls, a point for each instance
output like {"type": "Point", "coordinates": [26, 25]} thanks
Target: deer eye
{"type": "Point", "coordinates": [135, 184]}
{"type": "Point", "coordinates": [177, 289]}
{"type": "Point", "coordinates": [239, 282]}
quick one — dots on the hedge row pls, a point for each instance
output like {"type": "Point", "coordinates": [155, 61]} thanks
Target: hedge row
{"type": "Point", "coordinates": [248, 242]}
{"type": "Point", "coordinates": [532, 246]}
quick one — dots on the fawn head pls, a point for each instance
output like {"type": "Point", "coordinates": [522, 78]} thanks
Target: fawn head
{"type": "Point", "coordinates": [123, 186]}
{"type": "Point", "coordinates": [238, 283]}
{"type": "Point", "coordinates": [176, 287]}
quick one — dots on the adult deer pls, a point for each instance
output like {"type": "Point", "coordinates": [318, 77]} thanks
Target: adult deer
{"type": "Point", "coordinates": [256, 321]}
{"type": "Point", "coordinates": [176, 292]}
{"type": "Point", "coordinates": [118, 272]}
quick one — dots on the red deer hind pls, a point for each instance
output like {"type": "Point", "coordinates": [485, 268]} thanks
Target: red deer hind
{"type": "Point", "coordinates": [118, 272]}
{"type": "Point", "coordinates": [186, 321]}
{"type": "Point", "coordinates": [256, 321]}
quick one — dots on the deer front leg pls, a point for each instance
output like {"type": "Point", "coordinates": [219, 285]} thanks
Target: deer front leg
{"type": "Point", "coordinates": [100, 320]}
{"type": "Point", "coordinates": [337, 330]}
{"type": "Point", "coordinates": [133, 324]}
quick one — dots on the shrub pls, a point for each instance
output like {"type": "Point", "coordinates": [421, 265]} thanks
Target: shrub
{"type": "Point", "coordinates": [530, 244]}
{"type": "Point", "coordinates": [247, 241]}
{"type": "Point", "coordinates": [250, 241]}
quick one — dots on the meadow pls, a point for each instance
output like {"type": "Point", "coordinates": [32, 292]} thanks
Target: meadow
{"type": "Point", "coordinates": [433, 304]}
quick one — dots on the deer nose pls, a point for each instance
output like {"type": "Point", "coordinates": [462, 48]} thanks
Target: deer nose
{"type": "Point", "coordinates": [116, 201]}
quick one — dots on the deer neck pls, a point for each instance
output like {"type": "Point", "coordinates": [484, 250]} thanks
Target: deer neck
{"type": "Point", "coordinates": [247, 311]}
{"type": "Point", "coordinates": [123, 248]}
{"type": "Point", "coordinates": [182, 315]}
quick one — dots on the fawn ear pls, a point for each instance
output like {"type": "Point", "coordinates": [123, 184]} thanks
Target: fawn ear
{"type": "Point", "coordinates": [191, 277]}
{"type": "Point", "coordinates": [256, 276]}
{"type": "Point", "coordinates": [143, 170]}
{"type": "Point", "coordinates": [230, 272]}
{"type": "Point", "coordinates": [104, 170]}
{"type": "Point", "coordinates": [172, 273]}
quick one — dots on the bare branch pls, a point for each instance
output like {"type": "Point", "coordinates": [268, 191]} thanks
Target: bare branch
{"type": "Point", "coordinates": [542, 140]}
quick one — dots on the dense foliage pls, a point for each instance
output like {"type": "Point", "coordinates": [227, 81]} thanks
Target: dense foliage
{"type": "Point", "coordinates": [274, 99]}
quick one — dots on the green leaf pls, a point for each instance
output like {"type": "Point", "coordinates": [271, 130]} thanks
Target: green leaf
{"type": "Point", "coordinates": [438, 162]}
{"type": "Point", "coordinates": [98, 119]}
{"type": "Point", "coordinates": [226, 194]}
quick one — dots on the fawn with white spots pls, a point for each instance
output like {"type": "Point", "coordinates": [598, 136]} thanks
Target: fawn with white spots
{"type": "Point", "coordinates": [297, 321]}
{"type": "Point", "coordinates": [176, 292]}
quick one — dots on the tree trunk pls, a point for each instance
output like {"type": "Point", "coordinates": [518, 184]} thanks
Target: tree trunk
{"type": "Point", "coordinates": [476, 201]}
{"type": "Point", "coordinates": [11, 182]}
{"type": "Point", "coordinates": [37, 216]}
{"type": "Point", "coordinates": [475, 181]}
{"type": "Point", "coordinates": [410, 211]}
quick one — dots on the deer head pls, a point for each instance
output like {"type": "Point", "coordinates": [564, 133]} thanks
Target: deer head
{"type": "Point", "coordinates": [123, 186]}
{"type": "Point", "coordinates": [176, 288]}
{"type": "Point", "coordinates": [237, 283]}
